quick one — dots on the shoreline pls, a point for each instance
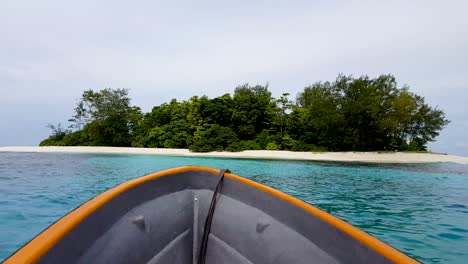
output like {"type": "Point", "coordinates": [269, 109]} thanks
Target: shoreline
{"type": "Point", "coordinates": [364, 157]}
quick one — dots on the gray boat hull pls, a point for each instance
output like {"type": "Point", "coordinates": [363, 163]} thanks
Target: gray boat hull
{"type": "Point", "coordinates": [161, 221]}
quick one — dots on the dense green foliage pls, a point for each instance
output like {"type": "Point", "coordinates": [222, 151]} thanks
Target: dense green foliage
{"type": "Point", "coordinates": [361, 114]}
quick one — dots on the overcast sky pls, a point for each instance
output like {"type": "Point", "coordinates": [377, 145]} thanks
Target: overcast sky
{"type": "Point", "coordinates": [50, 51]}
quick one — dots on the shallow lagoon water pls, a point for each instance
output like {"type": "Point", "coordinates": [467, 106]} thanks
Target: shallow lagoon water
{"type": "Point", "coordinates": [421, 209]}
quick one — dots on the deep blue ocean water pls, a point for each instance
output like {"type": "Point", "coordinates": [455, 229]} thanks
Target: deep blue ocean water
{"type": "Point", "coordinates": [421, 209]}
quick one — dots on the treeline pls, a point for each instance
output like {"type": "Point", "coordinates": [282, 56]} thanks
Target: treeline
{"type": "Point", "coordinates": [349, 114]}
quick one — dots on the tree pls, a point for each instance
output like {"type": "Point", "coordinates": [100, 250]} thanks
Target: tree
{"type": "Point", "coordinates": [218, 110]}
{"type": "Point", "coordinates": [80, 118]}
{"type": "Point", "coordinates": [253, 110]}
{"type": "Point", "coordinates": [361, 114]}
{"type": "Point", "coordinates": [214, 138]}
{"type": "Point", "coordinates": [106, 116]}
{"type": "Point", "coordinates": [364, 114]}
{"type": "Point", "coordinates": [283, 105]}
{"type": "Point", "coordinates": [57, 136]}
{"type": "Point", "coordinates": [318, 119]}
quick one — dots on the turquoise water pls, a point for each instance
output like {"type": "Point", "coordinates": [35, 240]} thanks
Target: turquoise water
{"type": "Point", "coordinates": [420, 209]}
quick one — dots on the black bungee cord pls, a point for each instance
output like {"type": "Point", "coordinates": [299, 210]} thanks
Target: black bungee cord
{"type": "Point", "coordinates": [209, 219]}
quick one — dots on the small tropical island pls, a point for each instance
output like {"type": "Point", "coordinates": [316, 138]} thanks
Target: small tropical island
{"type": "Point", "coordinates": [349, 119]}
{"type": "Point", "coordinates": [349, 114]}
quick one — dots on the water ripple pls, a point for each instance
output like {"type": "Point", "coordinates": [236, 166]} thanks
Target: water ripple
{"type": "Point", "coordinates": [421, 209]}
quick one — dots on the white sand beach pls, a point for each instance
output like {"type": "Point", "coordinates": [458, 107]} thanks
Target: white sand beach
{"type": "Point", "coordinates": [374, 157]}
